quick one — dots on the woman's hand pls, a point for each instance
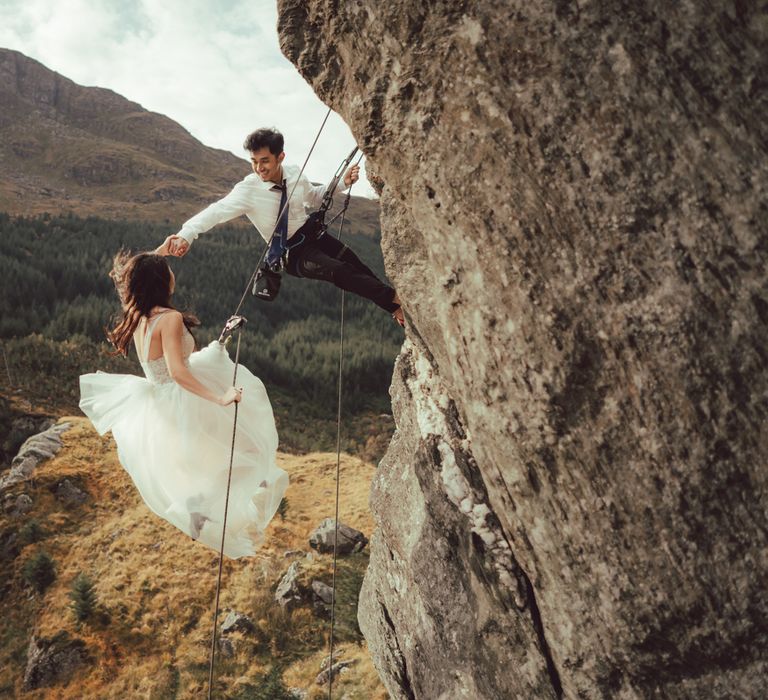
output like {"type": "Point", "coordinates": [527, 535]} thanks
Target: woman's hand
{"type": "Point", "coordinates": [164, 248]}
{"type": "Point", "coordinates": [172, 245]}
{"type": "Point", "coordinates": [231, 395]}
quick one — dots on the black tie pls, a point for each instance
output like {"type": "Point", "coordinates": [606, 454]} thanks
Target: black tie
{"type": "Point", "coordinates": [280, 237]}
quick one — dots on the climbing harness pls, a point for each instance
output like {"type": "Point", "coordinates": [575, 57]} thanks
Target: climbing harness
{"type": "Point", "coordinates": [236, 323]}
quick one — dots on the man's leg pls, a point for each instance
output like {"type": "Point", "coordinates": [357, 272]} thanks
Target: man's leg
{"type": "Point", "coordinates": [329, 260]}
{"type": "Point", "coordinates": [349, 256]}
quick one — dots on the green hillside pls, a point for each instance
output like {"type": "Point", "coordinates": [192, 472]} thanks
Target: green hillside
{"type": "Point", "coordinates": [56, 299]}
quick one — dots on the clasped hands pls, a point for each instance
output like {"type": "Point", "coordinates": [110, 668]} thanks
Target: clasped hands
{"type": "Point", "coordinates": [173, 245]}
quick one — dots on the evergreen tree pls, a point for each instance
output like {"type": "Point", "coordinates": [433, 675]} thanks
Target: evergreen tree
{"type": "Point", "coordinates": [39, 571]}
{"type": "Point", "coordinates": [56, 298]}
{"type": "Point", "coordinates": [32, 531]}
{"type": "Point", "coordinates": [83, 597]}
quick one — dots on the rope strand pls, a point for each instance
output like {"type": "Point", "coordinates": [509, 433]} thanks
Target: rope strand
{"type": "Point", "coordinates": [224, 526]}
{"type": "Point", "coordinates": [338, 460]}
{"type": "Point", "coordinates": [234, 425]}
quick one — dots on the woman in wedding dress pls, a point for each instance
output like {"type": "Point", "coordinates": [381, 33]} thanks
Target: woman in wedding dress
{"type": "Point", "coordinates": [173, 427]}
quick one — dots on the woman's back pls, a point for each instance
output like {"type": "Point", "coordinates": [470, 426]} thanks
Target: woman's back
{"type": "Point", "coordinates": [149, 347]}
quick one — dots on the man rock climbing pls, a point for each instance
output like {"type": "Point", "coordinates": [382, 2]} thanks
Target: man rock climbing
{"type": "Point", "coordinates": [298, 244]}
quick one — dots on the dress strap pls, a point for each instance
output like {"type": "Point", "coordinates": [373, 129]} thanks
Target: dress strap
{"type": "Point", "coordinates": [148, 334]}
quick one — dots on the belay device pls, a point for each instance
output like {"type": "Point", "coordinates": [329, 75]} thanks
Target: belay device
{"type": "Point", "coordinates": [266, 284]}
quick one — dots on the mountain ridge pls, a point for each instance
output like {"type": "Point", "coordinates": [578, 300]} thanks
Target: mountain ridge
{"type": "Point", "coordinates": [65, 147]}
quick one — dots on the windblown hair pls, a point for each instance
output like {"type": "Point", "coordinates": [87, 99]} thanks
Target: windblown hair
{"type": "Point", "coordinates": [271, 138]}
{"type": "Point", "coordinates": [143, 282]}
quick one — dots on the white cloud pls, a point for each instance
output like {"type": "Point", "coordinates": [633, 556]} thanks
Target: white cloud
{"type": "Point", "coordinates": [213, 66]}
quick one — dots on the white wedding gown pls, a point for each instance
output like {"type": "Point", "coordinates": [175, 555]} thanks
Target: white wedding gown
{"type": "Point", "coordinates": [176, 445]}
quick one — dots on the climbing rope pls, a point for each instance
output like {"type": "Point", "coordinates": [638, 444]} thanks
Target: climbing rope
{"type": "Point", "coordinates": [236, 322]}
{"type": "Point", "coordinates": [338, 457]}
{"type": "Point", "coordinates": [226, 509]}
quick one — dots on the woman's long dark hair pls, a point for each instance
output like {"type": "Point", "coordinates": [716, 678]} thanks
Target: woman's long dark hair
{"type": "Point", "coordinates": [143, 282]}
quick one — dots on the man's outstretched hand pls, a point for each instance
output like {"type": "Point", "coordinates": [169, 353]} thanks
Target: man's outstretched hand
{"type": "Point", "coordinates": [352, 175]}
{"type": "Point", "coordinates": [173, 245]}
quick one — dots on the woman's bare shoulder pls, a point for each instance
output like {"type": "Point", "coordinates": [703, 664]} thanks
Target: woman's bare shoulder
{"type": "Point", "coordinates": [171, 319]}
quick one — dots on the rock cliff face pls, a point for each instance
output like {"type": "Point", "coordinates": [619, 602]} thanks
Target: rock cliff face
{"type": "Point", "coordinates": [574, 211]}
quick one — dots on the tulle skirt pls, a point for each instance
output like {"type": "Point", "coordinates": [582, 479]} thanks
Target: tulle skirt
{"type": "Point", "coordinates": [176, 447]}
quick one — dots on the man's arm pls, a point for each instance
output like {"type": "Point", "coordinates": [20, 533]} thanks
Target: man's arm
{"type": "Point", "coordinates": [226, 209]}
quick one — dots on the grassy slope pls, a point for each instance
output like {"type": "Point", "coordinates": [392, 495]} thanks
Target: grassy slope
{"type": "Point", "coordinates": [157, 585]}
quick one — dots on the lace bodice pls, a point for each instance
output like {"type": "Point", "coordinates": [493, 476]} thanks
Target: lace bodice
{"type": "Point", "coordinates": [157, 370]}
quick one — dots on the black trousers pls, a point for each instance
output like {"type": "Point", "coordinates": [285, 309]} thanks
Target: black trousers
{"type": "Point", "coordinates": [326, 258]}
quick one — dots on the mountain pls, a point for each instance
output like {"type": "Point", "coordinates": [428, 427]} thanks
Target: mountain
{"type": "Point", "coordinates": [87, 150]}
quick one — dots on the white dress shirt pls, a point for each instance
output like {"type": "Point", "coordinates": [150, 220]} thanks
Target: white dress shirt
{"type": "Point", "coordinates": [260, 202]}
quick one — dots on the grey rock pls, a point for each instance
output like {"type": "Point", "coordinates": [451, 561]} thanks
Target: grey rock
{"type": "Point", "coordinates": [337, 655]}
{"type": "Point", "coordinates": [335, 670]}
{"type": "Point", "coordinates": [349, 539]}
{"type": "Point", "coordinates": [69, 494]}
{"type": "Point", "coordinates": [23, 504]}
{"type": "Point", "coordinates": [237, 622]}
{"type": "Point", "coordinates": [227, 647]}
{"type": "Point", "coordinates": [31, 425]}
{"type": "Point", "coordinates": [575, 501]}
{"type": "Point", "coordinates": [34, 450]}
{"type": "Point", "coordinates": [290, 592]}
{"type": "Point", "coordinates": [323, 592]}
{"type": "Point", "coordinates": [52, 661]}
{"type": "Point", "coordinates": [9, 546]}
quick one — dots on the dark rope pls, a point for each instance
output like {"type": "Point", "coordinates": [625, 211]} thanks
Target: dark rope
{"type": "Point", "coordinates": [338, 460]}
{"type": "Point", "coordinates": [227, 329]}
{"type": "Point", "coordinates": [224, 526]}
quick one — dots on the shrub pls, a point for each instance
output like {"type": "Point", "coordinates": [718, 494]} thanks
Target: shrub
{"type": "Point", "coordinates": [83, 597]}
{"type": "Point", "coordinates": [32, 531]}
{"type": "Point", "coordinates": [282, 509]}
{"type": "Point", "coordinates": [271, 687]}
{"type": "Point", "coordinates": [39, 571]}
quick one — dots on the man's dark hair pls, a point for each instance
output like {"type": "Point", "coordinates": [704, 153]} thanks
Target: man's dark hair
{"type": "Point", "coordinates": [271, 138]}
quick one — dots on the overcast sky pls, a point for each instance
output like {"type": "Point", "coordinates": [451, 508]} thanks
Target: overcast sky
{"type": "Point", "coordinates": [214, 66]}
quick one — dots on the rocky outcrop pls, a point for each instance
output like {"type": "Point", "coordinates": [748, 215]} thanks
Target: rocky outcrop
{"type": "Point", "coordinates": [15, 427]}
{"type": "Point", "coordinates": [35, 449]}
{"type": "Point", "coordinates": [348, 541]}
{"type": "Point", "coordinates": [54, 660]}
{"type": "Point", "coordinates": [574, 213]}
{"type": "Point", "coordinates": [237, 622]}
{"type": "Point", "coordinates": [323, 592]}
{"type": "Point", "coordinates": [325, 676]}
{"type": "Point", "coordinates": [69, 494]}
{"type": "Point", "coordinates": [290, 592]}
